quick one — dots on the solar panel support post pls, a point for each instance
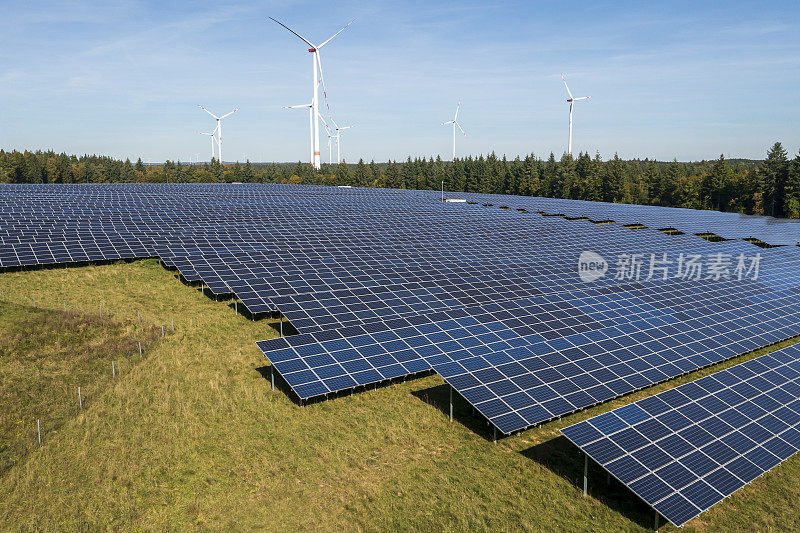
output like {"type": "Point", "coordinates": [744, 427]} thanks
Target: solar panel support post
{"type": "Point", "coordinates": [494, 434]}
{"type": "Point", "coordinates": [655, 527]}
{"type": "Point", "coordinates": [451, 403]}
{"type": "Point", "coordinates": [585, 472]}
{"type": "Point", "coordinates": [272, 375]}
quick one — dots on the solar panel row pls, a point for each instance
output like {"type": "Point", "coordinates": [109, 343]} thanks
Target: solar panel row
{"type": "Point", "coordinates": [685, 449]}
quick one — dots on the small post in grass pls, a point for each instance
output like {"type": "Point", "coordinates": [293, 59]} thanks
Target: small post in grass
{"type": "Point", "coordinates": [173, 324]}
{"type": "Point", "coordinates": [101, 311]}
{"type": "Point", "coordinates": [162, 330]}
{"type": "Point", "coordinates": [65, 305]}
{"type": "Point", "coordinates": [38, 431]}
{"type": "Point", "coordinates": [140, 350]}
{"type": "Point", "coordinates": [113, 370]}
{"type": "Point", "coordinates": [80, 400]}
{"type": "Point", "coordinates": [34, 301]}
{"type": "Point", "coordinates": [138, 319]}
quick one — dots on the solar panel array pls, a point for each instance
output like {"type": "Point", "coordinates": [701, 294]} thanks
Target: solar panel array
{"type": "Point", "coordinates": [775, 231]}
{"type": "Point", "coordinates": [383, 283]}
{"type": "Point", "coordinates": [684, 450]}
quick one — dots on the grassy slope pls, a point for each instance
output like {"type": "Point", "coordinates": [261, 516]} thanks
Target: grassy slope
{"type": "Point", "coordinates": [193, 436]}
{"type": "Point", "coordinates": [45, 356]}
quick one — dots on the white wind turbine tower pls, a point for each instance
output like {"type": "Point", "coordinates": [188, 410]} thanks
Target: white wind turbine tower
{"type": "Point", "coordinates": [317, 71]}
{"type": "Point", "coordinates": [455, 123]}
{"type": "Point", "coordinates": [211, 136]}
{"type": "Point", "coordinates": [310, 121]}
{"type": "Point", "coordinates": [218, 129]}
{"type": "Point", "coordinates": [571, 101]}
{"type": "Point", "coordinates": [338, 137]}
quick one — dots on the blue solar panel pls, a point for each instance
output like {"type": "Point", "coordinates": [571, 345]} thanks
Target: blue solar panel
{"type": "Point", "coordinates": [686, 449]}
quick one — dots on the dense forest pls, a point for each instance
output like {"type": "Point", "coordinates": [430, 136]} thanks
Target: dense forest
{"type": "Point", "coordinates": [770, 187]}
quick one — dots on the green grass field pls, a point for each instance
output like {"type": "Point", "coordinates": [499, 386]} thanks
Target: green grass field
{"type": "Point", "coordinates": [192, 437]}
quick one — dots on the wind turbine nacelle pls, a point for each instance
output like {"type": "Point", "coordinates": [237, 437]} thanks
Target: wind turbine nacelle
{"type": "Point", "coordinates": [569, 99]}
{"type": "Point", "coordinates": [312, 50]}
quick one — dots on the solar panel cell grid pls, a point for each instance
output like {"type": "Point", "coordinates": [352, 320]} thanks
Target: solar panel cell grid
{"type": "Point", "coordinates": [727, 438]}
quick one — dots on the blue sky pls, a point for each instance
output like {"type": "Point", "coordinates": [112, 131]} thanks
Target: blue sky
{"type": "Point", "coordinates": [685, 80]}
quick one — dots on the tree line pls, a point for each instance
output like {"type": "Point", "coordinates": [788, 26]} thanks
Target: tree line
{"type": "Point", "coordinates": [768, 187]}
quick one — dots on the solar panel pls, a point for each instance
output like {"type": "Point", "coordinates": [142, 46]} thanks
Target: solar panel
{"type": "Point", "coordinates": [686, 449]}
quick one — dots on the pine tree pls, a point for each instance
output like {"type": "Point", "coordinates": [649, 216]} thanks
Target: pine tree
{"type": "Point", "coordinates": [792, 208]}
{"type": "Point", "coordinates": [362, 175]}
{"type": "Point", "coordinates": [550, 178]}
{"type": "Point", "coordinates": [392, 175]}
{"type": "Point", "coordinates": [774, 175]}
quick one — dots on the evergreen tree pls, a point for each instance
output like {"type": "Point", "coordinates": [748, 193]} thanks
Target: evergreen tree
{"type": "Point", "coordinates": [362, 175]}
{"type": "Point", "coordinates": [550, 178]}
{"type": "Point", "coordinates": [792, 208]}
{"type": "Point", "coordinates": [393, 175]}
{"type": "Point", "coordinates": [774, 175]}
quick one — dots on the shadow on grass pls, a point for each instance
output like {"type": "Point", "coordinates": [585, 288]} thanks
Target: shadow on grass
{"type": "Point", "coordinates": [268, 373]}
{"type": "Point", "coordinates": [439, 397]}
{"type": "Point", "coordinates": [564, 459]}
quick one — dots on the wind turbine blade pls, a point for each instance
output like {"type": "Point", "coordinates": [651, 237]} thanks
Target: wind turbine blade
{"type": "Point", "coordinates": [457, 108]}
{"type": "Point", "coordinates": [565, 85]}
{"type": "Point", "coordinates": [582, 98]}
{"type": "Point", "coordinates": [229, 114]}
{"type": "Point", "coordinates": [335, 34]}
{"type": "Point", "coordinates": [459, 127]}
{"type": "Point", "coordinates": [309, 43]}
{"type": "Point", "coordinates": [209, 112]}
{"type": "Point", "coordinates": [446, 123]}
{"type": "Point", "coordinates": [324, 89]}
{"type": "Point", "coordinates": [295, 106]}
{"type": "Point", "coordinates": [345, 128]}
{"type": "Point", "coordinates": [334, 123]}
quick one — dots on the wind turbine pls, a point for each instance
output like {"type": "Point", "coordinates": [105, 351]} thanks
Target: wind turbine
{"type": "Point", "coordinates": [218, 129]}
{"type": "Point", "coordinates": [317, 70]}
{"type": "Point", "coordinates": [330, 144]}
{"type": "Point", "coordinates": [211, 136]}
{"type": "Point", "coordinates": [571, 101]}
{"type": "Point", "coordinates": [338, 137]}
{"type": "Point", "coordinates": [310, 121]}
{"type": "Point", "coordinates": [455, 123]}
